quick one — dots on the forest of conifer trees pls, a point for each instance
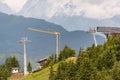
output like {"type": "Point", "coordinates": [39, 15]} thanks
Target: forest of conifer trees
{"type": "Point", "coordinates": [94, 63]}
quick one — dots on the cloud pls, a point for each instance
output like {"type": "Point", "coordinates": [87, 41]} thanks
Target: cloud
{"type": "Point", "coordinates": [98, 9]}
{"type": "Point", "coordinates": [102, 10]}
{"type": "Point", "coordinates": [15, 5]}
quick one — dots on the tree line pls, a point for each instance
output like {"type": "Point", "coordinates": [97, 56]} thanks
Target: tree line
{"type": "Point", "coordinates": [94, 63]}
{"type": "Point", "coordinates": [64, 54]}
{"type": "Point", "coordinates": [6, 68]}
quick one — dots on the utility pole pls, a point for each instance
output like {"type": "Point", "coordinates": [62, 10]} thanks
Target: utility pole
{"type": "Point", "coordinates": [93, 31]}
{"type": "Point", "coordinates": [24, 40]}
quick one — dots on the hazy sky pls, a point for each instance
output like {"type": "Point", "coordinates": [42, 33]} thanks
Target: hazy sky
{"type": "Point", "coordinates": [98, 9]}
{"type": "Point", "coordinates": [15, 5]}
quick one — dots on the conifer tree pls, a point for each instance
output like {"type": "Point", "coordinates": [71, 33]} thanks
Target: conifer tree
{"type": "Point", "coordinates": [5, 69]}
{"type": "Point", "coordinates": [29, 67]}
{"type": "Point", "coordinates": [51, 75]}
{"type": "Point", "coordinates": [66, 52]}
{"type": "Point", "coordinates": [11, 62]}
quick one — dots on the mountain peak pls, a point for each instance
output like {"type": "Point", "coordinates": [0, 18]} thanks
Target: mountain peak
{"type": "Point", "coordinates": [5, 8]}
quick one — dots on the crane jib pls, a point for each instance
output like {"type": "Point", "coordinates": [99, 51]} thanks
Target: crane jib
{"type": "Point", "coordinates": [43, 31]}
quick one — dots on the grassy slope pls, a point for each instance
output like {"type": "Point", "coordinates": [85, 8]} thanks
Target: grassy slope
{"type": "Point", "coordinates": [41, 75]}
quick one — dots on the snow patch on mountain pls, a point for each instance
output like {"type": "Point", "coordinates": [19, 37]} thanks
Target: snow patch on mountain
{"type": "Point", "coordinates": [4, 8]}
{"type": "Point", "coordinates": [103, 9]}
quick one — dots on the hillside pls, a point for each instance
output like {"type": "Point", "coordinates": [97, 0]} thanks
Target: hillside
{"type": "Point", "coordinates": [95, 63]}
{"type": "Point", "coordinates": [40, 75]}
{"type": "Point", "coordinates": [12, 28]}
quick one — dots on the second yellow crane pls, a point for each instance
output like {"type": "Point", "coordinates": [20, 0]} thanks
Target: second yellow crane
{"type": "Point", "coordinates": [54, 33]}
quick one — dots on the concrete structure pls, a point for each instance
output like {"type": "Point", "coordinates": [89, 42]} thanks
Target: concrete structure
{"type": "Point", "coordinates": [93, 31]}
{"type": "Point", "coordinates": [109, 30]}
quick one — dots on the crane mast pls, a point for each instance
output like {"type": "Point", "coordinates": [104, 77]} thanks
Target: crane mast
{"type": "Point", "coordinates": [53, 33]}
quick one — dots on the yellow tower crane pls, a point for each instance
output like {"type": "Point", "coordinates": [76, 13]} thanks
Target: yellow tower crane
{"type": "Point", "coordinates": [53, 33]}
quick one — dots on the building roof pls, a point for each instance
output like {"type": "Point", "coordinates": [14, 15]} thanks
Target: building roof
{"type": "Point", "coordinates": [44, 59]}
{"type": "Point", "coordinates": [15, 68]}
{"type": "Point", "coordinates": [108, 30]}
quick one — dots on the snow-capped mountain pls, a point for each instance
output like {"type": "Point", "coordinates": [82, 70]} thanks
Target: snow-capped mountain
{"type": "Point", "coordinates": [74, 14]}
{"type": "Point", "coordinates": [34, 8]}
{"type": "Point", "coordinates": [4, 8]}
{"type": "Point", "coordinates": [95, 9]}
{"type": "Point", "coordinates": [46, 9]}
{"type": "Point", "coordinates": [82, 23]}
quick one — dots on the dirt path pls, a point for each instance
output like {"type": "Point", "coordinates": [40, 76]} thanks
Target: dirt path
{"type": "Point", "coordinates": [16, 76]}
